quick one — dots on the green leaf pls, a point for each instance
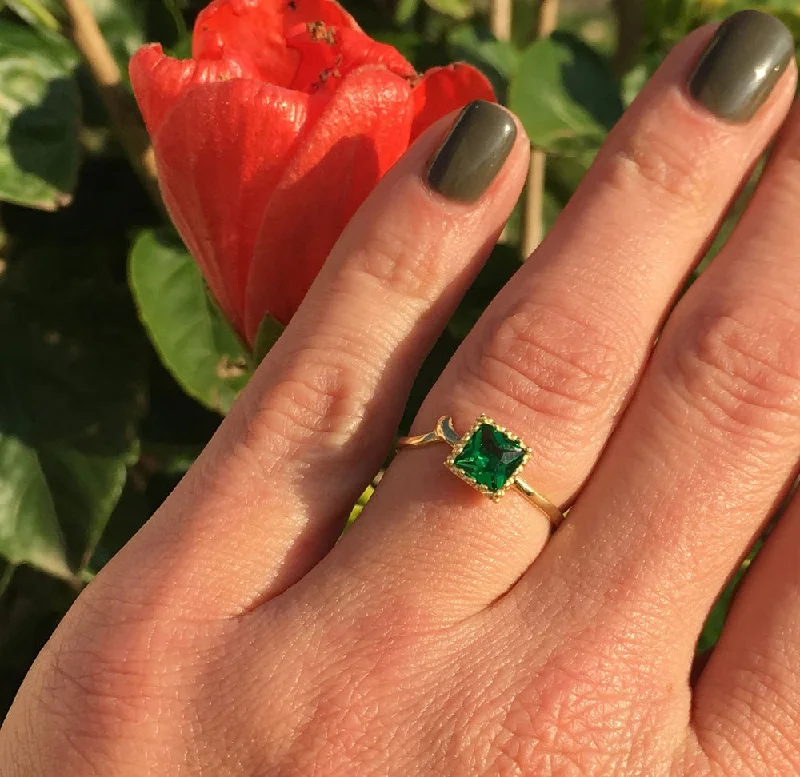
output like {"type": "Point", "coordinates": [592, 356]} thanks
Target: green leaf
{"type": "Point", "coordinates": [122, 23]}
{"type": "Point", "coordinates": [192, 338]}
{"type": "Point", "coordinates": [792, 20]}
{"type": "Point", "coordinates": [404, 11]}
{"type": "Point", "coordinates": [29, 530]}
{"type": "Point", "coordinates": [788, 11]}
{"type": "Point", "coordinates": [130, 514]}
{"type": "Point", "coordinates": [39, 118]}
{"type": "Point", "coordinates": [456, 9]}
{"type": "Point", "coordinates": [182, 48]}
{"type": "Point", "coordinates": [565, 95]}
{"type": "Point", "coordinates": [38, 13]}
{"type": "Point", "coordinates": [498, 60]}
{"type": "Point", "coordinates": [667, 18]}
{"type": "Point", "coordinates": [359, 506]}
{"type": "Point", "coordinates": [72, 389]}
{"type": "Point", "coordinates": [442, 352]}
{"type": "Point", "coordinates": [173, 7]}
{"type": "Point", "coordinates": [125, 24]}
{"type": "Point", "coordinates": [712, 629]}
{"type": "Point", "coordinates": [407, 42]}
{"type": "Point", "coordinates": [6, 576]}
{"type": "Point", "coordinates": [269, 332]}
{"type": "Point", "coordinates": [504, 261]}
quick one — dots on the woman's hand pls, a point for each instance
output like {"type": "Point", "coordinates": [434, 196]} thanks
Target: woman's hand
{"type": "Point", "coordinates": [444, 634]}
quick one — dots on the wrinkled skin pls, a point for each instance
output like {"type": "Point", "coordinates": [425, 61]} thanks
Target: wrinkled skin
{"type": "Point", "coordinates": [444, 634]}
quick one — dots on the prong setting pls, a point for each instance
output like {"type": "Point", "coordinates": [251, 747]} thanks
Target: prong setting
{"type": "Point", "coordinates": [505, 436]}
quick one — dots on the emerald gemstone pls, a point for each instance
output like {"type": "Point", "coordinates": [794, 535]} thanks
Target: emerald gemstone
{"type": "Point", "coordinates": [490, 457]}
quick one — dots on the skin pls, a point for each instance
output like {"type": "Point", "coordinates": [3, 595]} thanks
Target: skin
{"type": "Point", "coordinates": [443, 635]}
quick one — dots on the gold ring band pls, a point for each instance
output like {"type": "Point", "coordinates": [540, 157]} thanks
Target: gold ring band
{"type": "Point", "coordinates": [489, 458]}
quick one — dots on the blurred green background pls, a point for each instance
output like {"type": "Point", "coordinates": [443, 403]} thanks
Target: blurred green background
{"type": "Point", "coordinates": [115, 367]}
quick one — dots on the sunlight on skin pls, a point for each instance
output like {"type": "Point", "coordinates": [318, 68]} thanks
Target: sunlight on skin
{"type": "Point", "coordinates": [240, 633]}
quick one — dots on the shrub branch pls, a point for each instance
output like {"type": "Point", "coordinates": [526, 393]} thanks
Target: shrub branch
{"type": "Point", "coordinates": [533, 221]}
{"type": "Point", "coordinates": [500, 19]}
{"type": "Point", "coordinates": [630, 29]}
{"type": "Point", "coordinates": [119, 103]}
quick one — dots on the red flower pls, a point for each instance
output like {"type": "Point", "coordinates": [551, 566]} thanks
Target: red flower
{"type": "Point", "coordinates": [273, 134]}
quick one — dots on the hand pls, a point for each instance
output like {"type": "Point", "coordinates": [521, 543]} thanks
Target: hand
{"type": "Point", "coordinates": [444, 634]}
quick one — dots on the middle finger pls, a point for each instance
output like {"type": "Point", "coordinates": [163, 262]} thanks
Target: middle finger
{"type": "Point", "coordinates": [558, 352]}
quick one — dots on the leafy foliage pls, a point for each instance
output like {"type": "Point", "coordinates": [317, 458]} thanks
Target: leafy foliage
{"type": "Point", "coordinates": [191, 336]}
{"type": "Point", "coordinates": [115, 366]}
{"type": "Point", "coordinates": [39, 115]}
{"type": "Point", "coordinates": [565, 95]}
{"type": "Point", "coordinates": [71, 394]}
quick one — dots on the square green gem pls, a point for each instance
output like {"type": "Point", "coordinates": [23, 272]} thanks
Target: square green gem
{"type": "Point", "coordinates": [489, 457]}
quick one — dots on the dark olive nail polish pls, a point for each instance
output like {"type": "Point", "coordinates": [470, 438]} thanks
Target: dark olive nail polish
{"type": "Point", "coordinates": [473, 152]}
{"type": "Point", "coordinates": [741, 65]}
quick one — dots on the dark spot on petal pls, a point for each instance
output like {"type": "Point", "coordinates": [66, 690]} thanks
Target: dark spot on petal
{"type": "Point", "coordinates": [321, 33]}
{"type": "Point", "coordinates": [330, 72]}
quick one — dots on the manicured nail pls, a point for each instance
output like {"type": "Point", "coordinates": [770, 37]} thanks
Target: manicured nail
{"type": "Point", "coordinates": [473, 152]}
{"type": "Point", "coordinates": [741, 65]}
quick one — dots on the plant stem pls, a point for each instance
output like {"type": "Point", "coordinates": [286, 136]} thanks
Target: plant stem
{"type": "Point", "coordinates": [630, 28]}
{"type": "Point", "coordinates": [548, 18]}
{"type": "Point", "coordinates": [118, 101]}
{"type": "Point", "coordinates": [500, 20]}
{"type": "Point", "coordinates": [177, 16]}
{"type": "Point", "coordinates": [534, 202]}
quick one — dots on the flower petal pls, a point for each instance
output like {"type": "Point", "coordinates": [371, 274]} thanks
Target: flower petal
{"type": "Point", "coordinates": [158, 80]}
{"type": "Point", "coordinates": [362, 132]}
{"type": "Point", "coordinates": [253, 33]}
{"type": "Point", "coordinates": [327, 11]}
{"type": "Point", "coordinates": [328, 54]}
{"type": "Point", "coordinates": [445, 89]}
{"type": "Point", "coordinates": [221, 152]}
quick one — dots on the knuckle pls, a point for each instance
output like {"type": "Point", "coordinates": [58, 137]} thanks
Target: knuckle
{"type": "Point", "coordinates": [351, 694]}
{"type": "Point", "coordinates": [397, 258]}
{"type": "Point", "coordinates": [571, 718]}
{"type": "Point", "coordinates": [320, 397]}
{"type": "Point", "coordinates": [551, 362]}
{"type": "Point", "coordinates": [657, 158]}
{"type": "Point", "coordinates": [741, 369]}
{"type": "Point", "coordinates": [346, 729]}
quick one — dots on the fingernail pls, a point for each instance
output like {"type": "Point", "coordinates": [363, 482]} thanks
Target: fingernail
{"type": "Point", "coordinates": [741, 65]}
{"type": "Point", "coordinates": [473, 153]}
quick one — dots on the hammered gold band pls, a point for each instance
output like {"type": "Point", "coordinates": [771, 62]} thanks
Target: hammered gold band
{"type": "Point", "coordinates": [489, 458]}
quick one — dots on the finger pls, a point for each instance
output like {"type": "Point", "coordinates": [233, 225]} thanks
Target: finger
{"type": "Point", "coordinates": [710, 440]}
{"type": "Point", "coordinates": [748, 695]}
{"type": "Point", "coordinates": [270, 493]}
{"type": "Point", "coordinates": [558, 352]}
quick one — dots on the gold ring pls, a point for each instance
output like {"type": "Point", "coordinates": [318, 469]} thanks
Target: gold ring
{"type": "Point", "coordinates": [489, 458]}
